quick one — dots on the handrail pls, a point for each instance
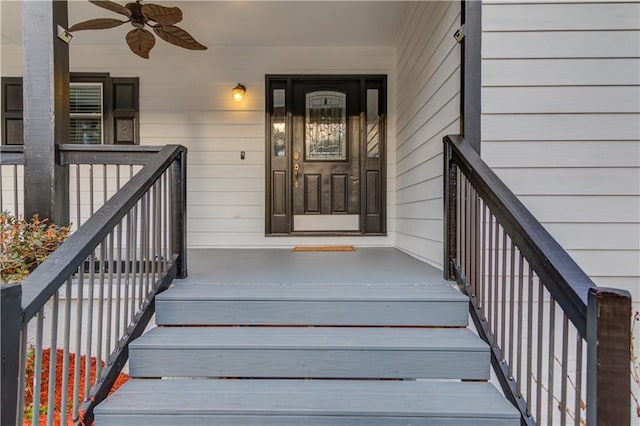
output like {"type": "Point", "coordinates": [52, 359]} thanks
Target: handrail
{"type": "Point", "coordinates": [558, 271]}
{"type": "Point", "coordinates": [531, 302]}
{"type": "Point", "coordinates": [135, 245]}
{"type": "Point", "coordinates": [52, 274]}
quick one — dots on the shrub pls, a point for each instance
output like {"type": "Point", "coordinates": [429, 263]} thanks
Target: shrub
{"type": "Point", "coordinates": [25, 244]}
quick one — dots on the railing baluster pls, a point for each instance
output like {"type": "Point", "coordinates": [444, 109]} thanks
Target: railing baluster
{"type": "Point", "coordinates": [147, 251]}
{"type": "Point", "coordinates": [519, 327]}
{"type": "Point", "coordinates": [503, 310]}
{"type": "Point", "coordinates": [24, 338]}
{"type": "Point", "coordinates": [578, 395]}
{"type": "Point", "coordinates": [109, 337]}
{"type": "Point", "coordinates": [491, 299]}
{"type": "Point", "coordinates": [53, 358]}
{"type": "Point", "coordinates": [78, 205]}
{"type": "Point", "coordinates": [99, 356]}
{"type": "Point", "coordinates": [483, 254]}
{"type": "Point", "coordinates": [76, 372]}
{"type": "Point", "coordinates": [134, 260]}
{"type": "Point", "coordinates": [565, 375]}
{"type": "Point", "coordinates": [127, 272]}
{"type": "Point", "coordinates": [496, 279]}
{"type": "Point", "coordinates": [16, 203]}
{"type": "Point", "coordinates": [89, 331]}
{"type": "Point", "coordinates": [64, 390]}
{"type": "Point", "coordinates": [540, 346]}
{"type": "Point", "coordinates": [512, 303]}
{"type": "Point", "coordinates": [551, 359]}
{"type": "Point", "coordinates": [529, 339]}
{"type": "Point", "coordinates": [37, 369]}
{"type": "Point", "coordinates": [116, 325]}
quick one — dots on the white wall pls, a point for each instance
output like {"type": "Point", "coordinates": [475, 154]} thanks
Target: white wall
{"type": "Point", "coordinates": [561, 125]}
{"type": "Point", "coordinates": [185, 98]}
{"type": "Point", "coordinates": [428, 68]}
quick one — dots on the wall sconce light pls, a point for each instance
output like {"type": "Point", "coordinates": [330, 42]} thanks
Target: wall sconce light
{"type": "Point", "coordinates": [238, 92]}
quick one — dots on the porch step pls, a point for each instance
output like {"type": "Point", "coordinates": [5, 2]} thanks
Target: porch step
{"type": "Point", "coordinates": [312, 402]}
{"type": "Point", "coordinates": [436, 304]}
{"type": "Point", "coordinates": [317, 352]}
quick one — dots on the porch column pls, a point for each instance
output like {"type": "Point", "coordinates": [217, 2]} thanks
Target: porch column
{"type": "Point", "coordinates": [46, 109]}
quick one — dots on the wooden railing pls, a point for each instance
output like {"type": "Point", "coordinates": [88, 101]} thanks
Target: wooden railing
{"type": "Point", "coordinates": [560, 344]}
{"type": "Point", "coordinates": [134, 246]}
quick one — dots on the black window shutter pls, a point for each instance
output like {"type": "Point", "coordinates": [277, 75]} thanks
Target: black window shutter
{"type": "Point", "coordinates": [12, 133]}
{"type": "Point", "coordinates": [121, 108]}
{"type": "Point", "coordinates": [125, 126]}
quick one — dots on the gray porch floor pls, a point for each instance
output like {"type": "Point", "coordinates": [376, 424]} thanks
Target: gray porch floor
{"type": "Point", "coordinates": [283, 266]}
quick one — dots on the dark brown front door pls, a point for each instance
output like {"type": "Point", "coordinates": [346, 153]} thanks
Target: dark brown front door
{"type": "Point", "coordinates": [325, 162]}
{"type": "Point", "coordinates": [326, 156]}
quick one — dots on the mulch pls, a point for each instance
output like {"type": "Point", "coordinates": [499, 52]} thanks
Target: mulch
{"type": "Point", "coordinates": [44, 386]}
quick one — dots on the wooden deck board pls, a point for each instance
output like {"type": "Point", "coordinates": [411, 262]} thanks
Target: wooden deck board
{"type": "Point", "coordinates": [287, 402]}
{"type": "Point", "coordinates": [381, 265]}
{"type": "Point", "coordinates": [322, 352]}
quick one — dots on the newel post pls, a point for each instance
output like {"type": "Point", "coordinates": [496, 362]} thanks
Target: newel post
{"type": "Point", "coordinates": [11, 314]}
{"type": "Point", "coordinates": [608, 357]}
{"type": "Point", "coordinates": [179, 212]}
{"type": "Point", "coordinates": [449, 172]}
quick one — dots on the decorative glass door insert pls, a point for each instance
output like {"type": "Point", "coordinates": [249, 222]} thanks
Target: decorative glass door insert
{"type": "Point", "coordinates": [326, 126]}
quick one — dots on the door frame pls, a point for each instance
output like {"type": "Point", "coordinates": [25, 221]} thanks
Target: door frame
{"type": "Point", "coordinates": [282, 225]}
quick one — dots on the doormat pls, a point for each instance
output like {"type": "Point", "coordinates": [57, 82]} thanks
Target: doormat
{"type": "Point", "coordinates": [324, 248]}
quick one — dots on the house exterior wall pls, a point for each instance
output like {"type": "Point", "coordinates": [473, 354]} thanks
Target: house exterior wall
{"type": "Point", "coordinates": [428, 69]}
{"type": "Point", "coordinates": [185, 98]}
{"type": "Point", "coordinates": [561, 124]}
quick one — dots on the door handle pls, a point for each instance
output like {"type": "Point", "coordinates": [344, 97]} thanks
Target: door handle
{"type": "Point", "coordinates": [296, 171]}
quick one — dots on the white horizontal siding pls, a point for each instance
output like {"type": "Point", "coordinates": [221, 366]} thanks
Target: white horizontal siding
{"type": "Point", "coordinates": [428, 109]}
{"type": "Point", "coordinates": [561, 124]}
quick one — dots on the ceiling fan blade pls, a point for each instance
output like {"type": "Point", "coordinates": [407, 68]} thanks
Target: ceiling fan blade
{"type": "Point", "coordinates": [114, 7]}
{"type": "Point", "coordinates": [161, 14]}
{"type": "Point", "coordinates": [179, 37]}
{"type": "Point", "coordinates": [140, 42]}
{"type": "Point", "coordinates": [97, 24]}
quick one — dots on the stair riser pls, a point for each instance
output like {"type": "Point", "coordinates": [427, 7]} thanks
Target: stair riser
{"type": "Point", "coordinates": [221, 420]}
{"type": "Point", "coordinates": [273, 363]}
{"type": "Point", "coordinates": [368, 313]}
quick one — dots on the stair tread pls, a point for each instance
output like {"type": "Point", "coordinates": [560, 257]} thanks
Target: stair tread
{"type": "Point", "coordinates": [310, 338]}
{"type": "Point", "coordinates": [307, 397]}
{"type": "Point", "coordinates": [313, 292]}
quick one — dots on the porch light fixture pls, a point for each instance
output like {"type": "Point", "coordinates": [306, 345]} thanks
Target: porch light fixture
{"type": "Point", "coordinates": [238, 92]}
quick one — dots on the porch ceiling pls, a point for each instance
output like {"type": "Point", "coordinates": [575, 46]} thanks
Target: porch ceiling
{"type": "Point", "coordinates": [248, 23]}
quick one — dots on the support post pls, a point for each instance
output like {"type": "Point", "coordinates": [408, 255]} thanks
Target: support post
{"type": "Point", "coordinates": [11, 314]}
{"type": "Point", "coordinates": [46, 109]}
{"type": "Point", "coordinates": [450, 178]}
{"type": "Point", "coordinates": [179, 212]}
{"type": "Point", "coordinates": [608, 357]}
{"type": "Point", "coordinates": [471, 66]}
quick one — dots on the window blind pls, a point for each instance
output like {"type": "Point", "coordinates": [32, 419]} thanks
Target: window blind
{"type": "Point", "coordinates": [86, 114]}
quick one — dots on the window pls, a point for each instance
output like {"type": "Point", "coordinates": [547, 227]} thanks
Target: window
{"type": "Point", "coordinates": [102, 109]}
{"type": "Point", "coordinates": [86, 113]}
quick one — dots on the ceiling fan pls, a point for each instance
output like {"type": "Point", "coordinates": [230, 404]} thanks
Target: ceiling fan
{"type": "Point", "coordinates": [160, 19]}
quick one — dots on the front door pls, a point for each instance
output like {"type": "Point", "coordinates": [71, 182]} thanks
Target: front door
{"type": "Point", "coordinates": [325, 155]}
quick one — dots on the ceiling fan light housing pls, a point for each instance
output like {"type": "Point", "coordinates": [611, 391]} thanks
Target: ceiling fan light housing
{"type": "Point", "coordinates": [239, 92]}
